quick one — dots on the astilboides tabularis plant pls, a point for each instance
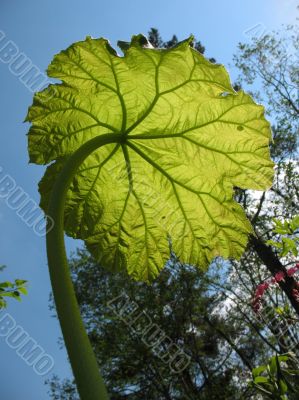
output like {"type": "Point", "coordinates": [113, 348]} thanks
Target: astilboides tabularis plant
{"type": "Point", "coordinates": [144, 148]}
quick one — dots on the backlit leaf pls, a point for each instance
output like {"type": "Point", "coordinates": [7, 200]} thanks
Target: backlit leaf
{"type": "Point", "coordinates": [186, 139]}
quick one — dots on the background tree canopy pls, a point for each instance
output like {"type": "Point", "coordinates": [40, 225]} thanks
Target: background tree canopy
{"type": "Point", "coordinates": [211, 315]}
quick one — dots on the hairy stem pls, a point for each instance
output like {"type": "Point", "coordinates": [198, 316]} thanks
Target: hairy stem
{"type": "Point", "coordinates": [89, 382]}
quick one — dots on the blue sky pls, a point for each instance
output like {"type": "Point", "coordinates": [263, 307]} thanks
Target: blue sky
{"type": "Point", "coordinates": [40, 29]}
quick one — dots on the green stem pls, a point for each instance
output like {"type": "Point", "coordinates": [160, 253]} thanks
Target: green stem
{"type": "Point", "coordinates": [89, 382]}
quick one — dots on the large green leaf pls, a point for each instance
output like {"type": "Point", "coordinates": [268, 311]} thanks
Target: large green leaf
{"type": "Point", "coordinates": [188, 139]}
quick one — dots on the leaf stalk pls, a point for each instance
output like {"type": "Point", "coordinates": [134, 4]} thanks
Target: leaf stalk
{"type": "Point", "coordinates": [84, 364]}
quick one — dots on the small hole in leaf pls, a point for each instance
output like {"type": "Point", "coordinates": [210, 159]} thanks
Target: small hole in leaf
{"type": "Point", "coordinates": [224, 94]}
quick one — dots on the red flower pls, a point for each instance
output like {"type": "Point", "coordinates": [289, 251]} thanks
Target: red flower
{"type": "Point", "coordinates": [295, 294]}
{"type": "Point", "coordinates": [256, 304]}
{"type": "Point", "coordinates": [262, 287]}
{"type": "Point", "coordinates": [260, 290]}
{"type": "Point", "coordinates": [279, 276]}
{"type": "Point", "coordinates": [291, 271]}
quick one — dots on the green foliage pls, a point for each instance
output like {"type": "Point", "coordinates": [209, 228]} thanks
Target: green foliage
{"type": "Point", "coordinates": [287, 227]}
{"type": "Point", "coordinates": [11, 289]}
{"type": "Point", "coordinates": [276, 379]}
{"type": "Point", "coordinates": [185, 139]}
{"type": "Point", "coordinates": [288, 231]}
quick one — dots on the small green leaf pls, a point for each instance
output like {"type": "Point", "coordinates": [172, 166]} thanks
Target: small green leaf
{"type": "Point", "coordinates": [294, 223]}
{"type": "Point", "coordinates": [273, 365]}
{"type": "Point", "coordinates": [289, 245]}
{"type": "Point", "coordinates": [23, 290]}
{"type": "Point", "coordinates": [258, 370]}
{"type": "Point", "coordinates": [274, 244]}
{"type": "Point", "coordinates": [20, 282]}
{"type": "Point", "coordinates": [261, 379]}
{"type": "Point", "coordinates": [3, 303]}
{"type": "Point", "coordinates": [283, 386]}
{"type": "Point", "coordinates": [6, 284]}
{"type": "Point", "coordinates": [283, 357]}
